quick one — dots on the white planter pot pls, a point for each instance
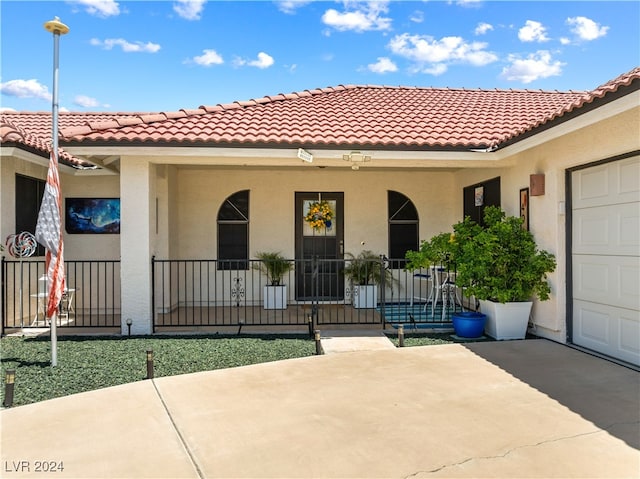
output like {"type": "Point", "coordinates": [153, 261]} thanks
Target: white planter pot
{"type": "Point", "coordinates": [365, 296]}
{"type": "Point", "coordinates": [275, 297]}
{"type": "Point", "coordinates": [506, 320]}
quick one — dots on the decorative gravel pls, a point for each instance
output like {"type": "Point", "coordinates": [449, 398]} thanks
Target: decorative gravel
{"type": "Point", "coordinates": [88, 363]}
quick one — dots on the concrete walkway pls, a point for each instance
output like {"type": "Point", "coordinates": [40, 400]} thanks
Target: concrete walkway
{"type": "Point", "coordinates": [349, 341]}
{"type": "Point", "coordinates": [510, 409]}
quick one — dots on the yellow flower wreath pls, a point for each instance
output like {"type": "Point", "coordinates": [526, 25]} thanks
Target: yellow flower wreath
{"type": "Point", "coordinates": [319, 215]}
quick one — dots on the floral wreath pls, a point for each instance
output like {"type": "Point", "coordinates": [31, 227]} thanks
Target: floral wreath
{"type": "Point", "coordinates": [319, 215]}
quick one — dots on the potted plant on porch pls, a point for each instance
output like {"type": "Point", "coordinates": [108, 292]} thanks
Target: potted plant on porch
{"type": "Point", "coordinates": [500, 265]}
{"type": "Point", "coordinates": [435, 254]}
{"type": "Point", "coordinates": [274, 266]}
{"type": "Point", "coordinates": [366, 271]}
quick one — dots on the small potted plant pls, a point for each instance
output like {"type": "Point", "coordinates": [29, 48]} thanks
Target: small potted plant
{"type": "Point", "coordinates": [274, 266]}
{"type": "Point", "coordinates": [366, 271]}
{"type": "Point", "coordinates": [501, 266]}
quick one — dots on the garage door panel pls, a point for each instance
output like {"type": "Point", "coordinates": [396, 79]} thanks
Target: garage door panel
{"type": "Point", "coordinates": [609, 230]}
{"type": "Point", "coordinates": [628, 173]}
{"type": "Point", "coordinates": [607, 184]}
{"type": "Point", "coordinates": [608, 330]}
{"type": "Point", "coordinates": [605, 249]}
{"type": "Point", "coordinates": [613, 281]}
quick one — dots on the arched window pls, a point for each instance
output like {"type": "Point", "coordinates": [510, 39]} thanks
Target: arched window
{"type": "Point", "coordinates": [233, 232]}
{"type": "Point", "coordinates": [403, 227]}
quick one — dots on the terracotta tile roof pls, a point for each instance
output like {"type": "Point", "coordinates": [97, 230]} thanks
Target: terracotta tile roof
{"type": "Point", "coordinates": [612, 86]}
{"type": "Point", "coordinates": [362, 116]}
{"type": "Point", "coordinates": [33, 130]}
{"type": "Point", "coordinates": [343, 116]}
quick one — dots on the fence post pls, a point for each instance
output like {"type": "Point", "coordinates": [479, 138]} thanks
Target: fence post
{"type": "Point", "coordinates": [383, 287]}
{"type": "Point", "coordinates": [315, 274]}
{"type": "Point", "coordinates": [153, 295]}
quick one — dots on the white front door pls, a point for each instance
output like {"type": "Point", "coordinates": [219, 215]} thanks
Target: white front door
{"type": "Point", "coordinates": [605, 258]}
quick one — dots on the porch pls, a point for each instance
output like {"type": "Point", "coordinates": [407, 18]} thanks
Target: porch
{"type": "Point", "coordinates": [227, 296]}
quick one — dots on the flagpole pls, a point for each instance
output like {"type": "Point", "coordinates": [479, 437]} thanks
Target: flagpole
{"type": "Point", "coordinates": [58, 28]}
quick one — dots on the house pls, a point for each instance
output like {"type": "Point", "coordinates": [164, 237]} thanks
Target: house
{"type": "Point", "coordinates": [397, 164]}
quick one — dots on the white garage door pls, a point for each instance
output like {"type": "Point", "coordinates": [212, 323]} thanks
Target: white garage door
{"type": "Point", "coordinates": [606, 258]}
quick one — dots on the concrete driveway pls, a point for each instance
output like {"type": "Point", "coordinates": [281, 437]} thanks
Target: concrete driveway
{"type": "Point", "coordinates": [496, 409]}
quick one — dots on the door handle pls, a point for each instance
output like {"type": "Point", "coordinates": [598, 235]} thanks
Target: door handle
{"type": "Point", "coordinates": [341, 246]}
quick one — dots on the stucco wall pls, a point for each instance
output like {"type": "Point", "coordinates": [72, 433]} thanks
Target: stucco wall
{"type": "Point", "coordinates": [91, 246]}
{"type": "Point", "coordinates": [200, 193]}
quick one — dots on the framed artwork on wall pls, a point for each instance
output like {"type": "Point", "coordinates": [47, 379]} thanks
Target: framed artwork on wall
{"type": "Point", "coordinates": [92, 215]}
{"type": "Point", "coordinates": [524, 207]}
{"type": "Point", "coordinates": [478, 196]}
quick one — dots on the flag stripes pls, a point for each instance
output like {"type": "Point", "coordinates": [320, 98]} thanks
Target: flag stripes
{"type": "Point", "coordinates": [49, 235]}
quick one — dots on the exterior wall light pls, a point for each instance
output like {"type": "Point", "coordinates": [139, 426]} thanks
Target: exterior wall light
{"type": "Point", "coordinates": [9, 384]}
{"type": "Point", "coordinates": [356, 158]}
{"type": "Point", "coordinates": [149, 364]}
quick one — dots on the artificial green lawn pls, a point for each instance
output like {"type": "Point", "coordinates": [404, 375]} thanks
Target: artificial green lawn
{"type": "Point", "coordinates": [87, 363]}
{"type": "Point", "coordinates": [430, 339]}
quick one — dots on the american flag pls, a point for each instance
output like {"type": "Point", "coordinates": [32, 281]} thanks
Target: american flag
{"type": "Point", "coordinates": [49, 235]}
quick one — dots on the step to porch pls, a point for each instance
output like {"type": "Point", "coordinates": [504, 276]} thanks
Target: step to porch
{"type": "Point", "coordinates": [344, 341]}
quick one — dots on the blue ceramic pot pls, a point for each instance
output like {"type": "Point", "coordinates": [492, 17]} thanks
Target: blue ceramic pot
{"type": "Point", "coordinates": [468, 324]}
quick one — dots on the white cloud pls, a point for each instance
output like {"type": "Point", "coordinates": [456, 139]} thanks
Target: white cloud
{"type": "Point", "coordinates": [564, 41]}
{"type": "Point", "coordinates": [189, 9]}
{"type": "Point", "coordinates": [126, 46]}
{"type": "Point", "coordinates": [533, 32]}
{"type": "Point", "coordinates": [85, 101]}
{"type": "Point", "coordinates": [290, 6]}
{"type": "Point", "coordinates": [25, 89]}
{"type": "Point", "coordinates": [483, 28]}
{"type": "Point", "coordinates": [586, 29]}
{"type": "Point", "coordinates": [417, 16]}
{"type": "Point", "coordinates": [6, 109]}
{"type": "Point", "coordinates": [536, 65]}
{"type": "Point", "coordinates": [432, 56]}
{"type": "Point", "coordinates": [100, 8]}
{"type": "Point", "coordinates": [359, 17]}
{"type": "Point", "coordinates": [263, 61]}
{"type": "Point", "coordinates": [383, 65]}
{"type": "Point", "coordinates": [435, 69]}
{"type": "Point", "coordinates": [208, 58]}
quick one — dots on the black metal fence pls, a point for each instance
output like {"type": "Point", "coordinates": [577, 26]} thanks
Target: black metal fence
{"type": "Point", "coordinates": [91, 298]}
{"type": "Point", "coordinates": [313, 293]}
{"type": "Point", "coordinates": [195, 294]}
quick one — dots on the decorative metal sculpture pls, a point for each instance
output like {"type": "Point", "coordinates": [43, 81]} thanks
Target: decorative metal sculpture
{"type": "Point", "coordinates": [21, 245]}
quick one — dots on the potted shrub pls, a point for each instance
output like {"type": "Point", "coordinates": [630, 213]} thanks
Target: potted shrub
{"type": "Point", "coordinates": [365, 272]}
{"type": "Point", "coordinates": [500, 265]}
{"type": "Point", "coordinates": [274, 266]}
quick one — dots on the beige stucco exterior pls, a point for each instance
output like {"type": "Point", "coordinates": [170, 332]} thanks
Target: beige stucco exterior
{"type": "Point", "coordinates": [170, 197]}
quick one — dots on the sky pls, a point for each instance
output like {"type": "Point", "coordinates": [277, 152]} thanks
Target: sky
{"type": "Point", "coordinates": [150, 56]}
